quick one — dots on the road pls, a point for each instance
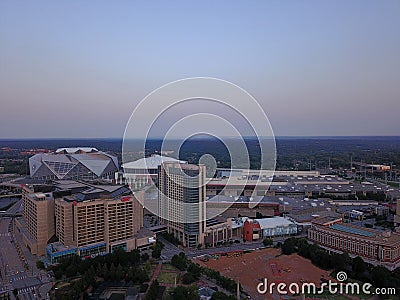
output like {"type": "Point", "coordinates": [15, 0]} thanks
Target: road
{"type": "Point", "coordinates": [170, 250]}
{"type": "Point", "coordinates": [17, 265]}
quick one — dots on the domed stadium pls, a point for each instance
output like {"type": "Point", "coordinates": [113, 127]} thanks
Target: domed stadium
{"type": "Point", "coordinates": [80, 163]}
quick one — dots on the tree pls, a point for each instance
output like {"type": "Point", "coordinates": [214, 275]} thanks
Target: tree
{"type": "Point", "coordinates": [184, 293]}
{"type": "Point", "coordinates": [380, 276]}
{"type": "Point", "coordinates": [195, 269]}
{"type": "Point", "coordinates": [40, 265]}
{"type": "Point", "coordinates": [153, 291]}
{"type": "Point", "coordinates": [288, 246]}
{"type": "Point", "coordinates": [156, 253]}
{"type": "Point", "coordinates": [15, 292]}
{"type": "Point", "coordinates": [268, 242]}
{"type": "Point", "coordinates": [147, 266]}
{"type": "Point", "coordinates": [120, 273]}
{"type": "Point", "coordinates": [104, 272]}
{"type": "Point", "coordinates": [359, 265]}
{"type": "Point", "coordinates": [222, 296]}
{"type": "Point", "coordinates": [188, 278]}
{"type": "Point", "coordinates": [144, 257]}
{"type": "Point", "coordinates": [157, 247]}
{"type": "Point", "coordinates": [113, 272]}
{"type": "Point", "coordinates": [179, 261]}
{"type": "Point", "coordinates": [134, 256]}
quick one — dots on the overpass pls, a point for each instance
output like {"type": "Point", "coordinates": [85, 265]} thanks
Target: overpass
{"type": "Point", "coordinates": [11, 196]}
{"type": "Point", "coordinates": [11, 186]}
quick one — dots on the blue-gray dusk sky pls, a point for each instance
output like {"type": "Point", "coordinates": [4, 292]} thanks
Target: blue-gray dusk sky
{"type": "Point", "coordinates": [79, 68]}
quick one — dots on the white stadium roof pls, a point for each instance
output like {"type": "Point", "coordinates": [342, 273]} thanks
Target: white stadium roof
{"type": "Point", "coordinates": [76, 150]}
{"type": "Point", "coordinates": [151, 162]}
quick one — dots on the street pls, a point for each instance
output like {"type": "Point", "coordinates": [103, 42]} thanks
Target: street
{"type": "Point", "coordinates": [17, 266]}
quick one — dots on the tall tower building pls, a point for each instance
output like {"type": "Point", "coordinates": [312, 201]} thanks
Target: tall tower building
{"type": "Point", "coordinates": [38, 217]}
{"type": "Point", "coordinates": [182, 201]}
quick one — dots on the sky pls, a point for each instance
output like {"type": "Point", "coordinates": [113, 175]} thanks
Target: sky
{"type": "Point", "coordinates": [77, 69]}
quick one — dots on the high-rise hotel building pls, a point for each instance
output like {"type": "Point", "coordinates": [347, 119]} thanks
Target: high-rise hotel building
{"type": "Point", "coordinates": [182, 201]}
{"type": "Point", "coordinates": [97, 220]}
{"type": "Point", "coordinates": [38, 217]}
{"type": "Point", "coordinates": [86, 219]}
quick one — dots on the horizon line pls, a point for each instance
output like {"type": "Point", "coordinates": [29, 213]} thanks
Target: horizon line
{"type": "Point", "coordinates": [205, 137]}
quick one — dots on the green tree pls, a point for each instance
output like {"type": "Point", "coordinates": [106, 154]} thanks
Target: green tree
{"type": "Point", "coordinates": [380, 276]}
{"type": "Point", "coordinates": [153, 291]}
{"type": "Point", "coordinates": [113, 272]}
{"type": "Point", "coordinates": [184, 293]}
{"type": "Point", "coordinates": [359, 265]}
{"type": "Point", "coordinates": [222, 296]}
{"type": "Point", "coordinates": [120, 273]}
{"type": "Point", "coordinates": [188, 278]}
{"type": "Point", "coordinates": [40, 265]}
{"type": "Point", "coordinates": [104, 272]}
{"type": "Point", "coordinates": [147, 266]}
{"type": "Point", "coordinates": [144, 257]}
{"type": "Point", "coordinates": [179, 261]}
{"type": "Point", "coordinates": [156, 253]}
{"type": "Point", "coordinates": [268, 242]}
{"type": "Point", "coordinates": [288, 246]}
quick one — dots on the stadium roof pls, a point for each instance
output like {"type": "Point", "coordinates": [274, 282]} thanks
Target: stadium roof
{"type": "Point", "coordinates": [151, 162]}
{"type": "Point", "coordinates": [76, 150]}
{"type": "Point", "coordinates": [72, 162]}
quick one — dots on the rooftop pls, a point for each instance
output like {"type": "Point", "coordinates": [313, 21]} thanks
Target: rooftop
{"type": "Point", "coordinates": [151, 162]}
{"type": "Point", "coordinates": [76, 150]}
{"type": "Point", "coordinates": [354, 230]}
{"type": "Point", "coordinates": [273, 222]}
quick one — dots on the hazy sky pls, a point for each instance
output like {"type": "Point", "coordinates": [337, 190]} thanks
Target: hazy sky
{"type": "Point", "coordinates": [78, 68]}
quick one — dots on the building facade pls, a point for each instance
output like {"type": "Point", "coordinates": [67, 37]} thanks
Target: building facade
{"type": "Point", "coordinates": [97, 221]}
{"type": "Point", "coordinates": [372, 245]}
{"type": "Point", "coordinates": [76, 218]}
{"type": "Point", "coordinates": [255, 229]}
{"type": "Point", "coordinates": [181, 202]}
{"type": "Point", "coordinates": [38, 217]}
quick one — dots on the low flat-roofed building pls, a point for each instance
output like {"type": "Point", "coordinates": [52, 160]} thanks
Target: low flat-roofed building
{"type": "Point", "coordinates": [374, 246]}
{"type": "Point", "coordinates": [235, 206]}
{"type": "Point", "coordinates": [255, 229]}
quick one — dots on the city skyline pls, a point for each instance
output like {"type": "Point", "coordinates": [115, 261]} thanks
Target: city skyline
{"type": "Point", "coordinates": [72, 70]}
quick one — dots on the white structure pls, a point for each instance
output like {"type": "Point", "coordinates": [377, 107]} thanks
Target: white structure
{"type": "Point", "coordinates": [80, 163]}
{"type": "Point", "coordinates": [142, 172]}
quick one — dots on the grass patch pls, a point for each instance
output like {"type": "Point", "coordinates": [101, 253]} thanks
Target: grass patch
{"type": "Point", "coordinates": [169, 267]}
{"type": "Point", "coordinates": [168, 277]}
